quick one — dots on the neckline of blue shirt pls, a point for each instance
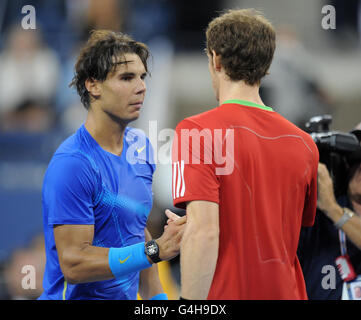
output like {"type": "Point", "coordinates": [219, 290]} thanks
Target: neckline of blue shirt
{"type": "Point", "coordinates": [98, 146]}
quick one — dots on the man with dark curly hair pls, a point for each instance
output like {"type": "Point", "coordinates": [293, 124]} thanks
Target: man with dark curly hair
{"type": "Point", "coordinates": [246, 176]}
{"type": "Point", "coordinates": [97, 191]}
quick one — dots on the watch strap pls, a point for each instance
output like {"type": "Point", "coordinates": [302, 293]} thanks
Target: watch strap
{"type": "Point", "coordinates": [347, 215]}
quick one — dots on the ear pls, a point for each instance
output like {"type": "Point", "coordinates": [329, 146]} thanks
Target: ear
{"type": "Point", "coordinates": [216, 61]}
{"type": "Point", "coordinates": [93, 87]}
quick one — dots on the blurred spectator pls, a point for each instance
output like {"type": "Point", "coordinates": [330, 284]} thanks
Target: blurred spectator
{"type": "Point", "coordinates": [14, 274]}
{"type": "Point", "coordinates": [69, 109]}
{"type": "Point", "coordinates": [29, 72]}
{"type": "Point", "coordinates": [293, 84]}
{"type": "Point", "coordinates": [30, 116]}
{"type": "Point", "coordinates": [61, 21]}
{"type": "Point", "coordinates": [150, 19]}
{"type": "Point", "coordinates": [105, 14]}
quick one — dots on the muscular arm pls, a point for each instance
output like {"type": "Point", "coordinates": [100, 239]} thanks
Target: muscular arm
{"type": "Point", "coordinates": [199, 249]}
{"type": "Point", "coordinates": [80, 261]}
{"type": "Point", "coordinates": [149, 283]}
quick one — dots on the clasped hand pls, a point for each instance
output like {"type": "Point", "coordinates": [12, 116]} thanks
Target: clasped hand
{"type": "Point", "coordinates": [169, 241]}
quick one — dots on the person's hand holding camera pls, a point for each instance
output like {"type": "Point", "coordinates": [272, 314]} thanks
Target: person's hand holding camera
{"type": "Point", "coordinates": [326, 200]}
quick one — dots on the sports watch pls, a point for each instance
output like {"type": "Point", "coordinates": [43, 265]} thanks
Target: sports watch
{"type": "Point", "coordinates": [151, 249]}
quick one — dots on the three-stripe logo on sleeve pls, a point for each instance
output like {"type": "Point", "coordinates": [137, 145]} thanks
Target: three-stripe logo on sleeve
{"type": "Point", "coordinates": [179, 187]}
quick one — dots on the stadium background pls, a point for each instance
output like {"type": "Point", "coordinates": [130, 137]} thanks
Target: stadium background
{"type": "Point", "coordinates": [315, 71]}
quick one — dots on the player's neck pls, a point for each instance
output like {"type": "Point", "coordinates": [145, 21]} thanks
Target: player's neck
{"type": "Point", "coordinates": [231, 90]}
{"type": "Point", "coordinates": [108, 134]}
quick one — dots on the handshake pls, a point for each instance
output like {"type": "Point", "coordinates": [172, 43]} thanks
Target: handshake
{"type": "Point", "coordinates": [169, 242]}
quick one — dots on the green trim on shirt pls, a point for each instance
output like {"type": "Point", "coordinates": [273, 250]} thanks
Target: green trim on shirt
{"type": "Point", "coordinates": [248, 103]}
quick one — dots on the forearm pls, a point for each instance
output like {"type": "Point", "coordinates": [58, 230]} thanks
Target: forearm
{"type": "Point", "coordinates": [81, 262]}
{"type": "Point", "coordinates": [87, 264]}
{"type": "Point", "coordinates": [149, 283]}
{"type": "Point", "coordinates": [95, 263]}
{"type": "Point", "coordinates": [352, 227]}
{"type": "Point", "coordinates": [199, 253]}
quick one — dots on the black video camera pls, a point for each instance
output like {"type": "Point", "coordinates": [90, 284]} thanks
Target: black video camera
{"type": "Point", "coordinates": [337, 150]}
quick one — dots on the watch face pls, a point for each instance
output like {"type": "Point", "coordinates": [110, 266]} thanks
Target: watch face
{"type": "Point", "coordinates": [152, 249]}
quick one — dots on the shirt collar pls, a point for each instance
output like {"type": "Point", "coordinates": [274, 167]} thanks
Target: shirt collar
{"type": "Point", "coordinates": [248, 104]}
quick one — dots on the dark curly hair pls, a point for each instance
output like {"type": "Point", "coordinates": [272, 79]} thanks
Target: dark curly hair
{"type": "Point", "coordinates": [100, 55]}
{"type": "Point", "coordinates": [246, 42]}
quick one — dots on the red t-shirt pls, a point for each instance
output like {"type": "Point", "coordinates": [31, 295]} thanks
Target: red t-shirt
{"type": "Point", "coordinates": [262, 171]}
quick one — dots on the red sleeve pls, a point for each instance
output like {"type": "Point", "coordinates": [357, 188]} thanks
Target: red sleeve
{"type": "Point", "coordinates": [309, 210]}
{"type": "Point", "coordinates": [193, 170]}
